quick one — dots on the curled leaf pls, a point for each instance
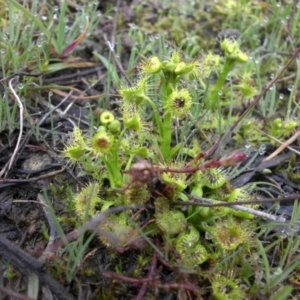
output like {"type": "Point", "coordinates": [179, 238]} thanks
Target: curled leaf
{"type": "Point", "coordinates": [76, 42]}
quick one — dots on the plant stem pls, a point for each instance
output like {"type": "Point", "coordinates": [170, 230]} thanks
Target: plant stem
{"type": "Point", "coordinates": [115, 176]}
{"type": "Point", "coordinates": [166, 132]}
{"type": "Point", "coordinates": [166, 136]}
{"type": "Point", "coordinates": [211, 102]}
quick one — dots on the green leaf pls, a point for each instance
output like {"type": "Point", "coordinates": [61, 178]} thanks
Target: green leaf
{"type": "Point", "coordinates": [175, 149]}
{"type": "Point", "coordinates": [107, 204]}
{"type": "Point", "coordinates": [283, 293]}
{"type": "Point", "coordinates": [110, 67]}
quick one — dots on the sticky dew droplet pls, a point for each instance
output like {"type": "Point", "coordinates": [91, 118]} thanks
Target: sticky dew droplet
{"type": "Point", "coordinates": [208, 236]}
{"type": "Point", "coordinates": [133, 26]}
{"type": "Point", "coordinates": [20, 86]}
{"type": "Point", "coordinates": [262, 149]}
{"type": "Point", "coordinates": [277, 272]}
{"type": "Point", "coordinates": [110, 46]}
{"type": "Point", "coordinates": [294, 229]}
{"type": "Point", "coordinates": [283, 22]}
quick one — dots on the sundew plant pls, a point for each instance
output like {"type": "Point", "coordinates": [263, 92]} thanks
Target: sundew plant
{"type": "Point", "coordinates": [135, 158]}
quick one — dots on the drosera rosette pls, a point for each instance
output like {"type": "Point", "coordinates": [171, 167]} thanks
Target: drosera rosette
{"type": "Point", "coordinates": [138, 132]}
{"type": "Point", "coordinates": [178, 103]}
{"type": "Point", "coordinates": [170, 221]}
{"type": "Point", "coordinates": [210, 63]}
{"type": "Point", "coordinates": [247, 85]}
{"type": "Point", "coordinates": [151, 65]}
{"type": "Point", "coordinates": [137, 93]}
{"type": "Point", "coordinates": [137, 195]}
{"type": "Point", "coordinates": [280, 129]}
{"type": "Point", "coordinates": [78, 151]}
{"type": "Point", "coordinates": [192, 252]}
{"type": "Point", "coordinates": [252, 128]}
{"type": "Point", "coordinates": [175, 69]}
{"type": "Point", "coordinates": [132, 118]}
{"type": "Point", "coordinates": [230, 233]}
{"type": "Point", "coordinates": [179, 181]}
{"type": "Point", "coordinates": [225, 288]}
{"type": "Point", "coordinates": [86, 200]}
{"type": "Point", "coordinates": [75, 146]}
{"type": "Point", "coordinates": [102, 141]}
{"type": "Point", "coordinates": [184, 68]}
{"type": "Point", "coordinates": [250, 132]}
{"type": "Point", "coordinates": [233, 52]}
{"type": "Point", "coordinates": [134, 143]}
{"type": "Point", "coordinates": [117, 232]}
{"type": "Point", "coordinates": [212, 178]}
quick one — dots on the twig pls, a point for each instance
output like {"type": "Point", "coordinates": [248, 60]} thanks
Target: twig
{"type": "Point", "coordinates": [166, 286]}
{"type": "Point", "coordinates": [4, 180]}
{"type": "Point", "coordinates": [278, 141]}
{"type": "Point", "coordinates": [25, 263]}
{"type": "Point", "coordinates": [80, 73]}
{"type": "Point", "coordinates": [124, 278]}
{"type": "Point", "coordinates": [10, 162]}
{"type": "Point", "coordinates": [119, 66]}
{"type": "Point", "coordinates": [283, 146]}
{"type": "Point", "coordinates": [21, 73]}
{"type": "Point", "coordinates": [13, 294]}
{"type": "Point", "coordinates": [54, 235]}
{"type": "Point", "coordinates": [141, 294]}
{"type": "Point", "coordinates": [29, 201]}
{"type": "Point", "coordinates": [21, 125]}
{"type": "Point", "coordinates": [112, 43]}
{"type": "Point", "coordinates": [205, 202]}
{"type": "Point", "coordinates": [115, 22]}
